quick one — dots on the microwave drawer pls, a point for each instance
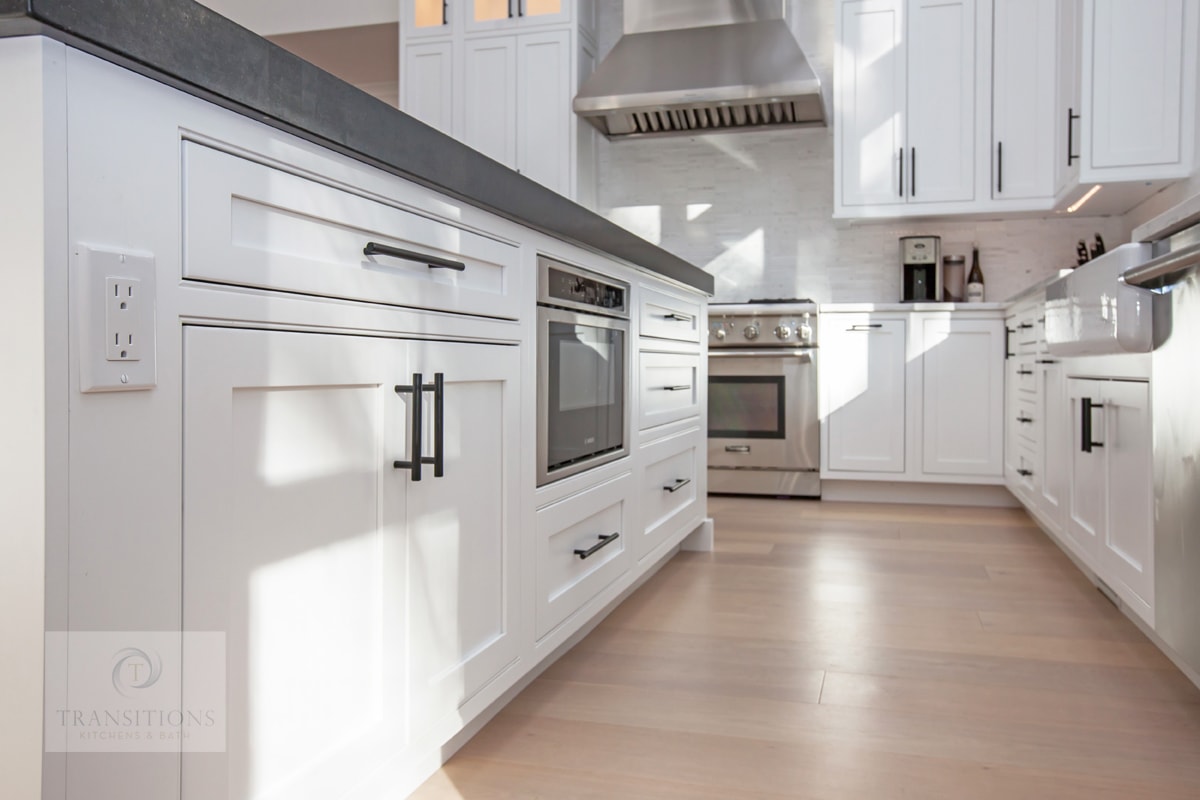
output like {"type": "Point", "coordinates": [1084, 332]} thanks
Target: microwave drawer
{"type": "Point", "coordinates": [669, 387]}
{"type": "Point", "coordinates": [583, 545]}
{"type": "Point", "coordinates": [249, 224]}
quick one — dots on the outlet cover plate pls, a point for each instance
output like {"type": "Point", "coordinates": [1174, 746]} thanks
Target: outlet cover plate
{"type": "Point", "coordinates": [96, 269]}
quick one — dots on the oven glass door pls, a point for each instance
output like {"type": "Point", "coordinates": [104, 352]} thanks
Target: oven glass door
{"type": "Point", "coordinates": [762, 409]}
{"type": "Point", "coordinates": [582, 392]}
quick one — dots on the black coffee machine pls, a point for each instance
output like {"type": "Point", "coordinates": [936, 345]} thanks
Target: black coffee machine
{"type": "Point", "coordinates": [921, 269]}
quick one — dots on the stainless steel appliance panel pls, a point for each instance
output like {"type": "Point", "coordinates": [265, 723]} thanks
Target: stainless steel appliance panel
{"type": "Point", "coordinates": [1175, 400]}
{"type": "Point", "coordinates": [762, 409]}
{"type": "Point", "coordinates": [583, 392]}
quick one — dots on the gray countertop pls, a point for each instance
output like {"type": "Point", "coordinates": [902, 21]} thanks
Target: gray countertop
{"type": "Point", "coordinates": [194, 49]}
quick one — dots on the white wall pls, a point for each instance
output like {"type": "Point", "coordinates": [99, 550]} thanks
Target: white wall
{"type": "Point", "coordinates": [755, 209]}
{"type": "Point", "coordinates": [269, 17]}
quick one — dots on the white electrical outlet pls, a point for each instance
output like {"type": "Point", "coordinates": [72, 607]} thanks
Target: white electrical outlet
{"type": "Point", "coordinates": [115, 298]}
{"type": "Point", "coordinates": [126, 323]}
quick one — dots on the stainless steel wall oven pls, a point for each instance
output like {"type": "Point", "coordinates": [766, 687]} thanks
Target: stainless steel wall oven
{"type": "Point", "coordinates": [583, 370]}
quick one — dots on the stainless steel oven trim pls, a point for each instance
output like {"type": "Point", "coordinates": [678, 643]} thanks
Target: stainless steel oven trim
{"type": "Point", "coordinates": [544, 264]}
{"type": "Point", "coordinates": [544, 317]}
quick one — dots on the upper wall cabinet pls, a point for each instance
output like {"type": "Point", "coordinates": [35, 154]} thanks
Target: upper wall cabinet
{"type": "Point", "coordinates": [905, 117]}
{"type": "Point", "coordinates": [1139, 89]}
{"type": "Point", "coordinates": [1035, 90]}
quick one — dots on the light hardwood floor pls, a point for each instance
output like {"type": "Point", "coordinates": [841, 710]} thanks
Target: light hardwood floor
{"type": "Point", "coordinates": [837, 650]}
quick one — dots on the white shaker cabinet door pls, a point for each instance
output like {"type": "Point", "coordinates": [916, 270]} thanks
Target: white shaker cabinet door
{"type": "Point", "coordinates": [489, 98]}
{"type": "Point", "coordinates": [863, 374]}
{"type": "Point", "coordinates": [1086, 507]}
{"type": "Point", "coordinates": [1127, 547]}
{"type": "Point", "coordinates": [963, 410]}
{"type": "Point", "coordinates": [461, 534]}
{"type": "Point", "coordinates": [293, 547]}
{"type": "Point", "coordinates": [1139, 93]}
{"type": "Point", "coordinates": [428, 84]}
{"type": "Point", "coordinates": [871, 102]}
{"type": "Point", "coordinates": [1025, 57]}
{"type": "Point", "coordinates": [941, 101]}
{"type": "Point", "coordinates": [544, 119]}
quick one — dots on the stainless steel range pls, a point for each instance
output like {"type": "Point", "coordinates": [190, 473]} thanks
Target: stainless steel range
{"type": "Point", "coordinates": [763, 430]}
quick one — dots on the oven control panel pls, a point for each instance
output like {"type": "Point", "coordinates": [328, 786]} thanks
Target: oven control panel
{"type": "Point", "coordinates": [736, 328]}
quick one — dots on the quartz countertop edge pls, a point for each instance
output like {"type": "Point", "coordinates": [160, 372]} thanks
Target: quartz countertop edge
{"type": "Point", "coordinates": [834, 308]}
{"type": "Point", "coordinates": [190, 47]}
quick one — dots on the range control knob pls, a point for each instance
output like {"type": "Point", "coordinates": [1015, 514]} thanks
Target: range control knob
{"type": "Point", "coordinates": [805, 333]}
{"type": "Point", "coordinates": [719, 334]}
{"type": "Point", "coordinates": [783, 332]}
{"type": "Point", "coordinates": [751, 332]}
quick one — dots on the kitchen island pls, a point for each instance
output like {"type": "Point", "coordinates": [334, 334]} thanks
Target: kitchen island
{"type": "Point", "coordinates": [223, 358]}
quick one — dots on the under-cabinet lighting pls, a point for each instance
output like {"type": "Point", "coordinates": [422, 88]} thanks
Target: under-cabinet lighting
{"type": "Point", "coordinates": [1078, 204]}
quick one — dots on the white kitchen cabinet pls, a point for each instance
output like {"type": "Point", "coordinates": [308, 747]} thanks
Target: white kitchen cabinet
{"type": "Point", "coordinates": [1034, 94]}
{"type": "Point", "coordinates": [503, 85]}
{"type": "Point", "coordinates": [427, 90]}
{"type": "Point", "coordinates": [1054, 440]}
{"type": "Point", "coordinates": [863, 370]}
{"type": "Point", "coordinates": [514, 89]}
{"type": "Point", "coordinates": [912, 397]}
{"type": "Point", "coordinates": [385, 602]}
{"type": "Point", "coordinates": [905, 105]}
{"type": "Point", "coordinates": [669, 484]}
{"type": "Point", "coordinates": [490, 98]}
{"type": "Point", "coordinates": [962, 396]}
{"type": "Point", "coordinates": [1139, 89]}
{"type": "Point", "coordinates": [1110, 522]}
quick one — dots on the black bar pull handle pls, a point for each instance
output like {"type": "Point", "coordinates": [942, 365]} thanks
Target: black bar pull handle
{"type": "Point", "coordinates": [1024, 372]}
{"type": "Point", "coordinates": [1024, 419]}
{"type": "Point", "coordinates": [439, 424]}
{"type": "Point", "coordinates": [1085, 433]}
{"type": "Point", "coordinates": [1071, 117]}
{"type": "Point", "coordinates": [413, 465]}
{"type": "Point", "coordinates": [1008, 332]}
{"type": "Point", "coordinates": [680, 388]}
{"type": "Point", "coordinates": [912, 179]}
{"type": "Point", "coordinates": [1025, 326]}
{"type": "Point", "coordinates": [1025, 473]}
{"type": "Point", "coordinates": [865, 326]}
{"type": "Point", "coordinates": [677, 485]}
{"type": "Point", "coordinates": [677, 317]}
{"type": "Point", "coordinates": [445, 14]}
{"type": "Point", "coordinates": [902, 172]}
{"type": "Point", "coordinates": [999, 167]}
{"type": "Point", "coordinates": [604, 542]}
{"type": "Point", "coordinates": [1047, 361]}
{"type": "Point", "coordinates": [433, 262]}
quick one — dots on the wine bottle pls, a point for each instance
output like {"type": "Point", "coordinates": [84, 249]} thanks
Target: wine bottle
{"type": "Point", "coordinates": [975, 278]}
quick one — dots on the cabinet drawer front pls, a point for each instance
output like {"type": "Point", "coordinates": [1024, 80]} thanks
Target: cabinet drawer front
{"type": "Point", "coordinates": [565, 581]}
{"type": "Point", "coordinates": [1025, 465]}
{"type": "Point", "coordinates": [669, 388]}
{"type": "Point", "coordinates": [1023, 373]}
{"type": "Point", "coordinates": [252, 225]}
{"type": "Point", "coordinates": [668, 487]}
{"type": "Point", "coordinates": [664, 316]}
{"type": "Point", "coordinates": [1025, 420]}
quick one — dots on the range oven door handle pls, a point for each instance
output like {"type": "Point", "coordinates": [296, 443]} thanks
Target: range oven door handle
{"type": "Point", "coordinates": [805, 355]}
{"type": "Point", "coordinates": [737, 448]}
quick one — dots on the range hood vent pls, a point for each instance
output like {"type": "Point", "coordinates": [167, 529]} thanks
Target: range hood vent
{"type": "Point", "coordinates": [698, 66]}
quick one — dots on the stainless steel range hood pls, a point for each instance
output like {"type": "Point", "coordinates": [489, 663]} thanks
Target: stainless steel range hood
{"type": "Point", "coordinates": [697, 66]}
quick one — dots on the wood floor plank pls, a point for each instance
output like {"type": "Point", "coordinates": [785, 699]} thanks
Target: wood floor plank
{"type": "Point", "coordinates": [841, 651]}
